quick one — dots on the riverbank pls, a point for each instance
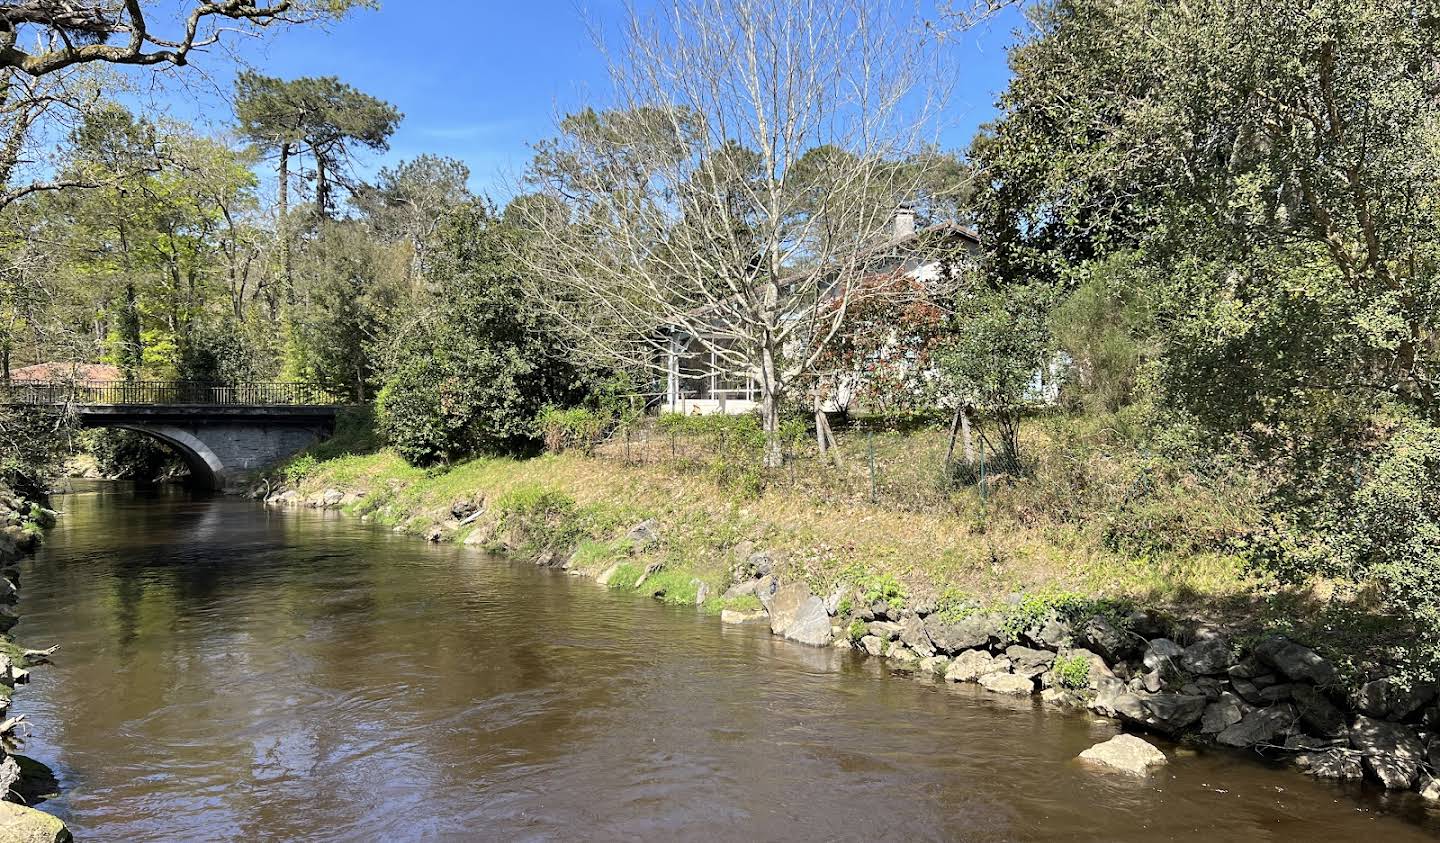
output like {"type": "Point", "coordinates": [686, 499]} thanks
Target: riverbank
{"type": "Point", "coordinates": [23, 782]}
{"type": "Point", "coordinates": [1175, 647]}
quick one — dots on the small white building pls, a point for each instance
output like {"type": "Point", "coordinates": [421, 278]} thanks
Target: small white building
{"type": "Point", "coordinates": [698, 382]}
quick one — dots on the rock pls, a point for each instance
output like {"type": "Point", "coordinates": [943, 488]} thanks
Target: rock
{"type": "Point", "coordinates": [1294, 661]}
{"type": "Point", "coordinates": [765, 589]}
{"type": "Point", "coordinates": [1126, 753]}
{"type": "Point", "coordinates": [884, 611]}
{"type": "Point", "coordinates": [1391, 698]}
{"type": "Point", "coordinates": [1008, 683]}
{"type": "Point", "coordinates": [1099, 635]}
{"type": "Point", "coordinates": [463, 508]}
{"type": "Point", "coordinates": [965, 634]}
{"type": "Point", "coordinates": [889, 630]}
{"type": "Point", "coordinates": [1222, 714]}
{"type": "Point", "coordinates": [644, 534]}
{"type": "Point", "coordinates": [331, 498]}
{"type": "Point", "coordinates": [1319, 715]}
{"type": "Point", "coordinates": [1154, 681]}
{"type": "Point", "coordinates": [19, 824]}
{"type": "Point", "coordinates": [872, 644]}
{"type": "Point", "coordinates": [1027, 662]}
{"type": "Point", "coordinates": [607, 575]}
{"type": "Point", "coordinates": [1431, 790]}
{"type": "Point", "coordinates": [1098, 668]}
{"type": "Point", "coordinates": [899, 652]}
{"type": "Point", "coordinates": [1276, 693]}
{"type": "Point", "coordinates": [1209, 656]}
{"type": "Point", "coordinates": [761, 564]}
{"type": "Point", "coordinates": [1175, 712]}
{"type": "Point", "coordinates": [970, 665]}
{"type": "Point", "coordinates": [702, 591]}
{"type": "Point", "coordinates": [1259, 726]}
{"type": "Point", "coordinates": [1247, 691]}
{"type": "Point", "coordinates": [741, 589]}
{"type": "Point", "coordinates": [1345, 764]}
{"type": "Point", "coordinates": [1114, 699]}
{"type": "Point", "coordinates": [912, 632]}
{"type": "Point", "coordinates": [1161, 654]}
{"type": "Point", "coordinates": [934, 664]}
{"type": "Point", "coordinates": [1393, 753]}
{"type": "Point", "coordinates": [800, 616]}
{"type": "Point", "coordinates": [832, 603]}
{"type": "Point", "coordinates": [1050, 634]}
{"type": "Point", "coordinates": [733, 616]}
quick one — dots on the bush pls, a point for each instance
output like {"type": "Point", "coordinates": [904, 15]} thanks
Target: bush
{"type": "Point", "coordinates": [1072, 672]}
{"type": "Point", "coordinates": [540, 518]}
{"type": "Point", "coordinates": [577, 428]}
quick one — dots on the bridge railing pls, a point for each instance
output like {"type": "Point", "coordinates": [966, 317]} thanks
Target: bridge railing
{"type": "Point", "coordinates": [260, 393]}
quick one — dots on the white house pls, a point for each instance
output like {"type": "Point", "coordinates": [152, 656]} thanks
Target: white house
{"type": "Point", "coordinates": [697, 380]}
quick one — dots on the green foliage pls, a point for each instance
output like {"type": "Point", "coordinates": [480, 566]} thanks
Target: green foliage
{"type": "Point", "coordinates": [672, 587]}
{"type": "Point", "coordinates": [578, 427]}
{"type": "Point", "coordinates": [300, 468]}
{"type": "Point", "coordinates": [476, 375]}
{"type": "Point", "coordinates": [541, 518]}
{"type": "Point", "coordinates": [625, 576]}
{"type": "Point", "coordinates": [1104, 327]}
{"type": "Point", "coordinates": [1072, 672]}
{"type": "Point", "coordinates": [871, 586]}
{"type": "Point", "coordinates": [127, 455]}
{"type": "Point", "coordinates": [857, 630]}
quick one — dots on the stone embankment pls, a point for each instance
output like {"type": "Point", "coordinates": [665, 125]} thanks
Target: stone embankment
{"type": "Point", "coordinates": [1184, 680]}
{"type": "Point", "coordinates": [22, 781]}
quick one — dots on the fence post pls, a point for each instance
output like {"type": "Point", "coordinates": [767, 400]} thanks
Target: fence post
{"type": "Point", "coordinates": [870, 446]}
{"type": "Point", "coordinates": [627, 446]}
{"type": "Point", "coordinates": [984, 486]}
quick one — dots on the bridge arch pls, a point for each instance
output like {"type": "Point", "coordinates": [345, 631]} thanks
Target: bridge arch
{"type": "Point", "coordinates": [206, 469]}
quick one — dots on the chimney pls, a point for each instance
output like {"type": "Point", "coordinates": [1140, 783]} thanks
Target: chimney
{"type": "Point", "coordinates": [904, 221]}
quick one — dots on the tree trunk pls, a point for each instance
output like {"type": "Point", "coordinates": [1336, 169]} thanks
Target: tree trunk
{"type": "Point", "coordinates": [967, 442]}
{"type": "Point", "coordinates": [283, 223]}
{"type": "Point", "coordinates": [770, 407]}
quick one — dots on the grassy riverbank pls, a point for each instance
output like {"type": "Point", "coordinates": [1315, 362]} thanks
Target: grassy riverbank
{"type": "Point", "coordinates": [557, 502]}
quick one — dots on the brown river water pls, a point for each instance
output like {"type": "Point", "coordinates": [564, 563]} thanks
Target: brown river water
{"type": "Point", "coordinates": [232, 673]}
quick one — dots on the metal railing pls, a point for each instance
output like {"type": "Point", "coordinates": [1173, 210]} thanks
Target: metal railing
{"type": "Point", "coordinates": [96, 392]}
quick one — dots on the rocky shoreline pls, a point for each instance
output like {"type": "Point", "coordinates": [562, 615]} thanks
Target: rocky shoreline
{"type": "Point", "coordinates": [23, 782]}
{"type": "Point", "coordinates": [1181, 679]}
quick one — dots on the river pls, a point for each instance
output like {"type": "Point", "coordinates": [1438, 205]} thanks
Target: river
{"type": "Point", "coordinates": [231, 673]}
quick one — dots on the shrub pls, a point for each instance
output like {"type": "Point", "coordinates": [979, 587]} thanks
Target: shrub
{"type": "Point", "coordinates": [578, 427]}
{"type": "Point", "coordinates": [1072, 672]}
{"type": "Point", "coordinates": [540, 518]}
{"type": "Point", "coordinates": [300, 468]}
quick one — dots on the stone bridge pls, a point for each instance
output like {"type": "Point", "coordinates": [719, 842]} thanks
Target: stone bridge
{"type": "Point", "coordinates": [227, 436]}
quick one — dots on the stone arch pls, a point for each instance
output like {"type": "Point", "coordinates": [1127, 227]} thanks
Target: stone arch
{"type": "Point", "coordinates": [206, 469]}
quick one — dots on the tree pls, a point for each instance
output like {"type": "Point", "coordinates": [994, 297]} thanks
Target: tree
{"type": "Point", "coordinates": [475, 374]}
{"type": "Point", "coordinates": [71, 32]}
{"type": "Point", "coordinates": [322, 117]}
{"type": "Point", "coordinates": [683, 209]}
{"type": "Point", "coordinates": [410, 201]}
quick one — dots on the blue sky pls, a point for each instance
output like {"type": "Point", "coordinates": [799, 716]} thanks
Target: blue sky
{"type": "Point", "coordinates": [491, 79]}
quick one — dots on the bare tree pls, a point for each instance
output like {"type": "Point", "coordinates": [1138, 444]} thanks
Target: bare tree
{"type": "Point", "coordinates": [744, 180]}
{"type": "Point", "coordinates": [72, 32]}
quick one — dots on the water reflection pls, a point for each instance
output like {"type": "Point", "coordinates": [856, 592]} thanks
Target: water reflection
{"type": "Point", "coordinates": [230, 673]}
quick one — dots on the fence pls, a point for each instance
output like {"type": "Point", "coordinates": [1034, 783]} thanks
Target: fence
{"type": "Point", "coordinates": [164, 392]}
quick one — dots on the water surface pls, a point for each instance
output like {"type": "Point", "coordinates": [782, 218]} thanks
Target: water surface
{"type": "Point", "coordinates": [232, 673]}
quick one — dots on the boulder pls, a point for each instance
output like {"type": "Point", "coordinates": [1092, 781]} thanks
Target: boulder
{"type": "Point", "coordinates": [1262, 725]}
{"type": "Point", "coordinates": [937, 665]}
{"type": "Point", "coordinates": [607, 575]}
{"type": "Point", "coordinates": [1319, 715]}
{"type": "Point", "coordinates": [800, 616]}
{"type": "Point", "coordinates": [1208, 657]}
{"type": "Point", "coordinates": [765, 589]}
{"type": "Point", "coordinates": [1393, 753]}
{"type": "Point", "coordinates": [912, 632]}
{"type": "Point", "coordinates": [736, 617]}
{"type": "Point", "coordinates": [1027, 662]}
{"type": "Point", "coordinates": [740, 589]}
{"type": "Point", "coordinates": [873, 644]}
{"type": "Point", "coordinates": [19, 824]}
{"type": "Point", "coordinates": [1222, 714]}
{"type": "Point", "coordinates": [837, 595]}
{"type": "Point", "coordinates": [1126, 753]}
{"type": "Point", "coordinates": [702, 590]}
{"type": "Point", "coordinates": [965, 634]}
{"type": "Point", "coordinates": [463, 508]}
{"type": "Point", "coordinates": [761, 564]}
{"type": "Point", "coordinates": [1008, 683]}
{"type": "Point", "coordinates": [1345, 764]}
{"type": "Point", "coordinates": [1294, 661]}
{"type": "Point", "coordinates": [1431, 790]}
{"type": "Point", "coordinates": [1391, 698]}
{"type": "Point", "coordinates": [644, 534]}
{"type": "Point", "coordinates": [1161, 654]}
{"type": "Point", "coordinates": [1099, 635]}
{"type": "Point", "coordinates": [1098, 668]}
{"type": "Point", "coordinates": [1175, 712]}
{"type": "Point", "coordinates": [1050, 634]}
{"type": "Point", "coordinates": [1114, 699]}
{"type": "Point", "coordinates": [889, 630]}
{"type": "Point", "coordinates": [899, 652]}
{"type": "Point", "coordinates": [970, 665]}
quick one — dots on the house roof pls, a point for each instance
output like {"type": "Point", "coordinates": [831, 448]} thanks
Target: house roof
{"type": "Point", "coordinates": [49, 372]}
